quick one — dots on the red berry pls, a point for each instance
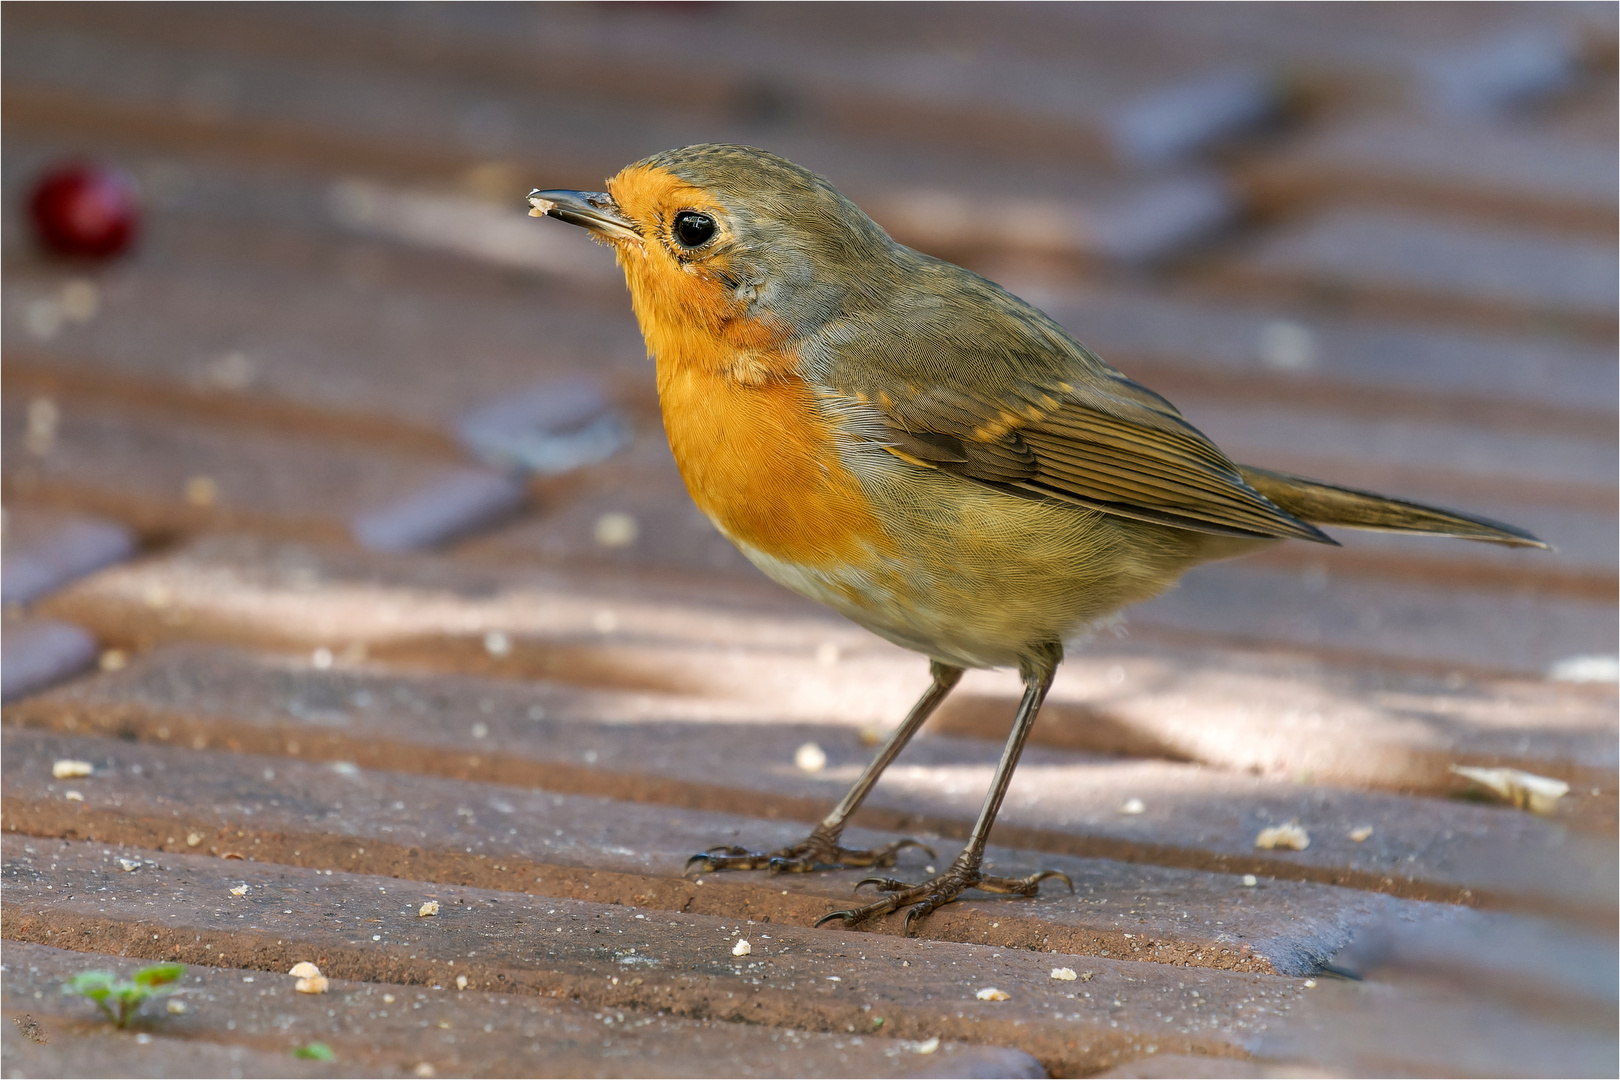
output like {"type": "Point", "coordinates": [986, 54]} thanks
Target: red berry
{"type": "Point", "coordinates": [85, 210]}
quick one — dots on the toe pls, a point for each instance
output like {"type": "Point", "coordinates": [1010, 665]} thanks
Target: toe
{"type": "Point", "coordinates": [790, 864]}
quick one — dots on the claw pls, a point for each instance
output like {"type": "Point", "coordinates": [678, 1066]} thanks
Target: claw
{"type": "Point", "coordinates": [884, 884]}
{"type": "Point", "coordinates": [704, 862]}
{"type": "Point", "coordinates": [1036, 879]}
{"type": "Point", "coordinates": [831, 915]}
{"type": "Point", "coordinates": [783, 865]}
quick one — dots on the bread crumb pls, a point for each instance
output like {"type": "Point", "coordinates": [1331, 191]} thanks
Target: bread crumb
{"type": "Point", "coordinates": [742, 948]}
{"type": "Point", "coordinates": [240, 890]}
{"type": "Point", "coordinates": [315, 984]}
{"type": "Point", "coordinates": [73, 796]}
{"type": "Point", "coordinates": [1133, 806]}
{"type": "Point", "coordinates": [927, 1046]}
{"type": "Point", "coordinates": [1361, 833]}
{"type": "Point", "coordinates": [1291, 835]}
{"type": "Point", "coordinates": [810, 758]}
{"type": "Point", "coordinates": [1527, 791]}
{"type": "Point", "coordinates": [69, 769]}
{"type": "Point", "coordinates": [429, 908]}
{"type": "Point", "coordinates": [461, 982]}
{"type": "Point", "coordinates": [304, 970]}
{"type": "Point", "coordinates": [990, 993]}
{"type": "Point", "coordinates": [1066, 974]}
{"type": "Point", "coordinates": [1250, 881]}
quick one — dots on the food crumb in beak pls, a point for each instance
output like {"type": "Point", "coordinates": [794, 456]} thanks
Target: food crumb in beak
{"type": "Point", "coordinates": [542, 207]}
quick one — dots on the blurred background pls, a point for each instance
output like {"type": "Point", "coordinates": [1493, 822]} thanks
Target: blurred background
{"type": "Point", "coordinates": [268, 272]}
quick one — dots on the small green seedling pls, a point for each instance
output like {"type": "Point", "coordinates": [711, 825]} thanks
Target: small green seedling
{"type": "Point", "coordinates": [315, 1051]}
{"type": "Point", "coordinates": [119, 999]}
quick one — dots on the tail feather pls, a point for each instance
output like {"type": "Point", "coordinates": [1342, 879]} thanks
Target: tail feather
{"type": "Point", "coordinates": [1326, 504]}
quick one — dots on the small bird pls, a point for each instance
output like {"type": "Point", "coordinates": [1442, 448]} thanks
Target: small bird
{"type": "Point", "coordinates": [912, 445]}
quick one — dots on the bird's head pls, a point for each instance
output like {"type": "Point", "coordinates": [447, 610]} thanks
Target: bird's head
{"type": "Point", "coordinates": [731, 241]}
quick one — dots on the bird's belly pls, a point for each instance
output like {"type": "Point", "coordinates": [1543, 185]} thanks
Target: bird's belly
{"type": "Point", "coordinates": [978, 577]}
{"type": "Point", "coordinates": [939, 564]}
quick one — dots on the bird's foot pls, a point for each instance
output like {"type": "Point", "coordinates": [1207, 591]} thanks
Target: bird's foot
{"type": "Point", "coordinates": [818, 851]}
{"type": "Point", "coordinates": [939, 891]}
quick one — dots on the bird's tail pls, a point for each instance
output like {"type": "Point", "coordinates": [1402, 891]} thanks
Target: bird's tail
{"type": "Point", "coordinates": [1326, 504]}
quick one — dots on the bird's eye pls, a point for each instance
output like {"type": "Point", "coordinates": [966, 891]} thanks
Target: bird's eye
{"type": "Point", "coordinates": [693, 229]}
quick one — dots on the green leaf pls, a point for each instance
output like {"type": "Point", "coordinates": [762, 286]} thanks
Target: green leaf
{"type": "Point", "coordinates": [315, 1051]}
{"type": "Point", "coordinates": [95, 985]}
{"type": "Point", "coordinates": [159, 975]}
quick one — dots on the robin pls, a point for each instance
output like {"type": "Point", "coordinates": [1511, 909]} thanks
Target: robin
{"type": "Point", "coordinates": [922, 451]}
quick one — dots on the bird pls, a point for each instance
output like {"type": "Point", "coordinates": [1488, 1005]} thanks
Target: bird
{"type": "Point", "coordinates": [917, 448]}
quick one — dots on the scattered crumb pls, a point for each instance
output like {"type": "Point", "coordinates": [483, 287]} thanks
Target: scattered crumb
{"type": "Point", "coordinates": [461, 982]}
{"type": "Point", "coordinates": [615, 530]}
{"type": "Point", "coordinates": [1291, 835]}
{"type": "Point", "coordinates": [240, 890]}
{"type": "Point", "coordinates": [388, 999]}
{"type": "Point", "coordinates": [113, 660]}
{"type": "Point", "coordinates": [1361, 833]}
{"type": "Point", "coordinates": [810, 757]}
{"type": "Point", "coordinates": [1133, 806]}
{"type": "Point", "coordinates": [73, 796]}
{"type": "Point", "coordinates": [871, 735]}
{"type": "Point", "coordinates": [1250, 881]}
{"type": "Point", "coordinates": [1310, 984]}
{"type": "Point", "coordinates": [1066, 974]}
{"type": "Point", "coordinates": [742, 948]}
{"type": "Point", "coordinates": [429, 908]}
{"type": "Point", "coordinates": [304, 970]}
{"type": "Point", "coordinates": [176, 1007]}
{"type": "Point", "coordinates": [202, 491]}
{"type": "Point", "coordinates": [193, 839]}
{"type": "Point", "coordinates": [927, 1046]}
{"type": "Point", "coordinates": [69, 769]}
{"type": "Point", "coordinates": [1527, 791]}
{"type": "Point", "coordinates": [422, 1067]}
{"type": "Point", "coordinates": [129, 866]}
{"type": "Point", "coordinates": [497, 643]}
{"type": "Point", "coordinates": [30, 1028]}
{"type": "Point", "coordinates": [315, 984]}
{"type": "Point", "coordinates": [990, 993]}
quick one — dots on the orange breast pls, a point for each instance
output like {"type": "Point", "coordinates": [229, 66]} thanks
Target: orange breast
{"type": "Point", "coordinates": [760, 461]}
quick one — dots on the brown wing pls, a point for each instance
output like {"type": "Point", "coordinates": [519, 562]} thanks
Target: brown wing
{"type": "Point", "coordinates": [971, 380]}
{"type": "Point", "coordinates": [1128, 453]}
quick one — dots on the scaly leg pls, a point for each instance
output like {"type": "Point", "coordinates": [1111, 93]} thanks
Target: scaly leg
{"type": "Point", "coordinates": [964, 873]}
{"type": "Point", "coordinates": [821, 850]}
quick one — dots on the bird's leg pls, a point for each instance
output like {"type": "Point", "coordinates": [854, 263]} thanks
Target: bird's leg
{"type": "Point", "coordinates": [964, 873]}
{"type": "Point", "coordinates": [821, 849]}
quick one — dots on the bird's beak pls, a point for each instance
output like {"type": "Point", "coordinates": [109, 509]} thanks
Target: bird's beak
{"type": "Point", "coordinates": [593, 210]}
